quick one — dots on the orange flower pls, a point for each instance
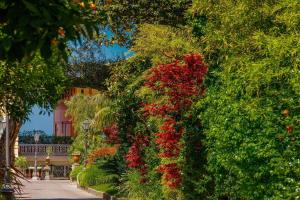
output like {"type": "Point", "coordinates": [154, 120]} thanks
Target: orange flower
{"type": "Point", "coordinates": [285, 112]}
{"type": "Point", "coordinates": [101, 152]}
{"type": "Point", "coordinates": [93, 6]}
{"type": "Point", "coordinates": [61, 31]}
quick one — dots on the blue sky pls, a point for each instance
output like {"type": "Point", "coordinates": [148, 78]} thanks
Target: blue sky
{"type": "Point", "coordinates": [45, 122]}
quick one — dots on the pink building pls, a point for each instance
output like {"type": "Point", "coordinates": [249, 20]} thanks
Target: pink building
{"type": "Point", "coordinates": [63, 125]}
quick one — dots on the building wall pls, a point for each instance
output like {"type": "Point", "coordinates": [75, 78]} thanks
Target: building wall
{"type": "Point", "coordinates": [63, 125]}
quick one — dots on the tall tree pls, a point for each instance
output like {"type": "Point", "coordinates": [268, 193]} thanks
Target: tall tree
{"type": "Point", "coordinates": [250, 112]}
{"type": "Point", "coordinates": [28, 26]}
{"type": "Point", "coordinates": [24, 85]}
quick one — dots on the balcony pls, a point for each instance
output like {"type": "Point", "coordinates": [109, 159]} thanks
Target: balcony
{"type": "Point", "coordinates": [56, 149]}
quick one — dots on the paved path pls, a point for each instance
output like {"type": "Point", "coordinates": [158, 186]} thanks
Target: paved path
{"type": "Point", "coordinates": [55, 190]}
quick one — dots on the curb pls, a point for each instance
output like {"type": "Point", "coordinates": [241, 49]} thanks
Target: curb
{"type": "Point", "coordinates": [102, 195]}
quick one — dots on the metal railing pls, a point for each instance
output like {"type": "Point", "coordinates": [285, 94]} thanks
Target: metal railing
{"type": "Point", "coordinates": [42, 149]}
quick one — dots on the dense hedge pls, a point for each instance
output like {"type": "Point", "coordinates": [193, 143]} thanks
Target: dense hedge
{"type": "Point", "coordinates": [236, 136]}
{"type": "Point", "coordinates": [250, 113]}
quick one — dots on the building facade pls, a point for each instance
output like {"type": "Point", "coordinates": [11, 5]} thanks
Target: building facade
{"type": "Point", "coordinates": [60, 164]}
{"type": "Point", "coordinates": [62, 124]}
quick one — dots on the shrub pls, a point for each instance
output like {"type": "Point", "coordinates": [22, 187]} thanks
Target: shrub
{"type": "Point", "coordinates": [89, 176]}
{"type": "Point", "coordinates": [98, 179]}
{"type": "Point", "coordinates": [251, 113]}
{"type": "Point", "coordinates": [151, 190]}
{"type": "Point", "coordinates": [21, 162]}
{"type": "Point", "coordinates": [74, 173]}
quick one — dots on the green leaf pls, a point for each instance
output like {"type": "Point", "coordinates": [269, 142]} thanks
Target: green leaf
{"type": "Point", "coordinates": [6, 44]}
{"type": "Point", "coordinates": [31, 7]}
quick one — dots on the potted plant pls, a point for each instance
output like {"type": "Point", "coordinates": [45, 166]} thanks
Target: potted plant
{"type": "Point", "coordinates": [76, 156]}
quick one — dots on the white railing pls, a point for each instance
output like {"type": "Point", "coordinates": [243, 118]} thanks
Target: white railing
{"type": "Point", "coordinates": [56, 149]}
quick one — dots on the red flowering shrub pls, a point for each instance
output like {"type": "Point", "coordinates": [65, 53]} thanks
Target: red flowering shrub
{"type": "Point", "coordinates": [181, 83]}
{"type": "Point", "coordinates": [157, 109]}
{"type": "Point", "coordinates": [112, 134]}
{"type": "Point", "coordinates": [168, 139]}
{"type": "Point", "coordinates": [134, 157]}
{"type": "Point", "coordinates": [172, 174]}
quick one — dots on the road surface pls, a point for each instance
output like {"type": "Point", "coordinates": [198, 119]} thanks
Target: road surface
{"type": "Point", "coordinates": [54, 189]}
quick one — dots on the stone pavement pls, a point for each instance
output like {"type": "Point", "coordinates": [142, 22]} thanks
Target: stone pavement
{"type": "Point", "coordinates": [55, 190]}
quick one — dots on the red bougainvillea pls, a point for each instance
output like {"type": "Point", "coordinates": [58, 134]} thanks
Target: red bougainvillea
{"type": "Point", "coordinates": [134, 157]}
{"type": "Point", "coordinates": [168, 139]}
{"type": "Point", "coordinates": [112, 134]}
{"type": "Point", "coordinates": [172, 174]}
{"type": "Point", "coordinates": [181, 83]}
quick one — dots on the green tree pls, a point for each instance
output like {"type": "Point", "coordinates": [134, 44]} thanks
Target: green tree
{"type": "Point", "coordinates": [28, 26]}
{"type": "Point", "coordinates": [250, 112]}
{"type": "Point", "coordinates": [152, 45]}
{"type": "Point", "coordinates": [124, 16]}
{"type": "Point", "coordinates": [24, 85]}
{"type": "Point", "coordinates": [88, 65]}
{"type": "Point", "coordinates": [98, 110]}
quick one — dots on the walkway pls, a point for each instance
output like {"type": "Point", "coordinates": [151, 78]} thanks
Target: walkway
{"type": "Point", "coordinates": [55, 190]}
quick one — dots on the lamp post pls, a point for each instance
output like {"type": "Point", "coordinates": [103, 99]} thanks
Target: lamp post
{"type": "Point", "coordinates": [85, 127]}
{"type": "Point", "coordinates": [6, 190]}
{"type": "Point", "coordinates": [36, 140]}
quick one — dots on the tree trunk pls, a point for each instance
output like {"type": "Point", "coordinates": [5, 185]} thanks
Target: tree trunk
{"type": "Point", "coordinates": [14, 127]}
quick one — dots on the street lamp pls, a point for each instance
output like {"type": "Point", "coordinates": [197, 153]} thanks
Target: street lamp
{"type": "Point", "coordinates": [85, 127]}
{"type": "Point", "coordinates": [36, 140]}
{"type": "Point", "coordinates": [6, 190]}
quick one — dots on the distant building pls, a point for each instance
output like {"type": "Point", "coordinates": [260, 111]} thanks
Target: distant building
{"type": "Point", "coordinates": [60, 164]}
{"type": "Point", "coordinates": [63, 125]}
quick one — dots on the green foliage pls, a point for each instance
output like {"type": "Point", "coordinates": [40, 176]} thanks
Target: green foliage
{"type": "Point", "coordinates": [197, 181]}
{"type": "Point", "coordinates": [89, 176]}
{"type": "Point", "coordinates": [153, 44]}
{"type": "Point", "coordinates": [96, 108]}
{"type": "Point", "coordinates": [21, 162]}
{"type": "Point", "coordinates": [97, 177]}
{"type": "Point", "coordinates": [124, 15]}
{"type": "Point", "coordinates": [25, 84]}
{"type": "Point", "coordinates": [135, 190]}
{"type": "Point", "coordinates": [74, 173]}
{"type": "Point", "coordinates": [89, 61]}
{"type": "Point", "coordinates": [29, 26]}
{"type": "Point", "coordinates": [125, 74]}
{"type": "Point", "coordinates": [163, 44]}
{"type": "Point", "coordinates": [253, 48]}
{"type": "Point", "coordinates": [93, 139]}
